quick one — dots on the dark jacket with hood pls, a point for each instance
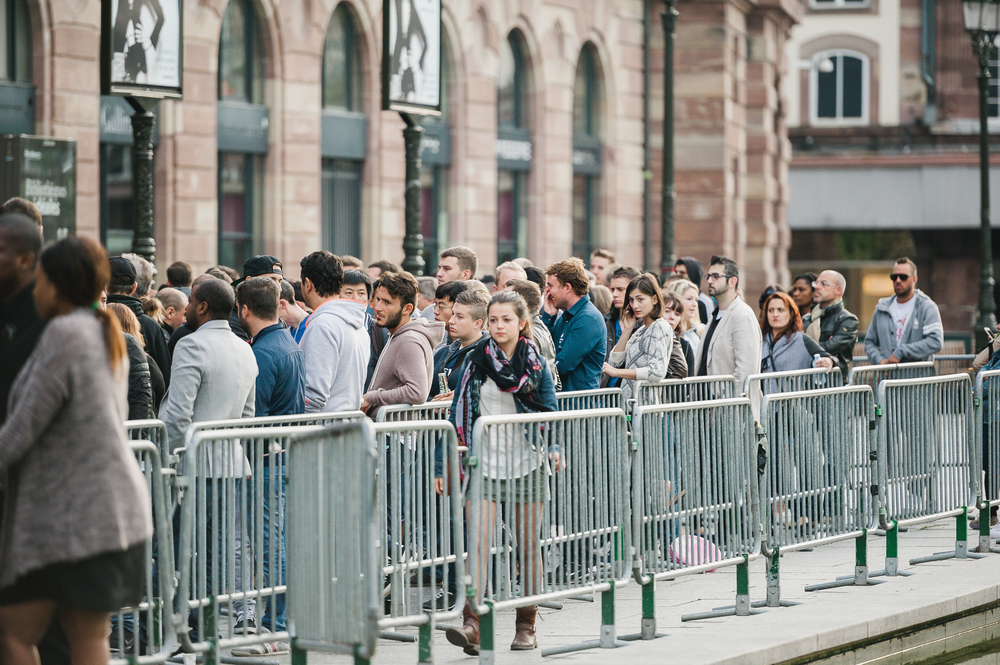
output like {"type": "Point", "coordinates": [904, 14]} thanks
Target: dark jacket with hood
{"type": "Point", "coordinates": [403, 373]}
{"type": "Point", "coordinates": [152, 334]}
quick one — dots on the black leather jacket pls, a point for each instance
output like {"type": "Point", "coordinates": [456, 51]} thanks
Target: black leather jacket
{"type": "Point", "coordinates": [838, 334]}
{"type": "Point", "coordinates": [140, 391]}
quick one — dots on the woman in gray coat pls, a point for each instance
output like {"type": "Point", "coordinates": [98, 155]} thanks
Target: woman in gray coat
{"type": "Point", "coordinates": [77, 511]}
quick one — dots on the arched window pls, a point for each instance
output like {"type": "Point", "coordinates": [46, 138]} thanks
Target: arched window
{"type": "Point", "coordinates": [514, 149]}
{"type": "Point", "coordinates": [586, 153]}
{"type": "Point", "coordinates": [345, 130]}
{"type": "Point", "coordinates": [435, 175]}
{"type": "Point", "coordinates": [242, 134]}
{"type": "Point", "coordinates": [839, 82]}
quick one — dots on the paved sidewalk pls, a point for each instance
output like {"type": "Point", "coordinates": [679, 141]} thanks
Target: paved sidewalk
{"type": "Point", "coordinates": [822, 620]}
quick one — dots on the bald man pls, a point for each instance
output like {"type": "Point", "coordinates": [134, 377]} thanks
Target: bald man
{"type": "Point", "coordinates": [829, 323]}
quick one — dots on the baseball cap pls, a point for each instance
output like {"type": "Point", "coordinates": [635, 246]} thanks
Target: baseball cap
{"type": "Point", "coordinates": [122, 271]}
{"type": "Point", "coordinates": [261, 264]}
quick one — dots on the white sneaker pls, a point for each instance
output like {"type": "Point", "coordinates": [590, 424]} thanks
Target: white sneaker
{"type": "Point", "coordinates": [263, 649]}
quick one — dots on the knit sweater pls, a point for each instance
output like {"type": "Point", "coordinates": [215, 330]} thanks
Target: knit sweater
{"type": "Point", "coordinates": [647, 352]}
{"type": "Point", "coordinates": [74, 489]}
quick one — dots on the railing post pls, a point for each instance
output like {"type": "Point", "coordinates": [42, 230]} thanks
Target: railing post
{"type": "Point", "coordinates": [486, 655]}
{"type": "Point", "coordinates": [861, 559]}
{"type": "Point", "coordinates": [892, 550]}
{"type": "Point", "coordinates": [743, 587]}
{"type": "Point", "coordinates": [299, 656]}
{"type": "Point", "coordinates": [425, 647]}
{"type": "Point", "coordinates": [647, 630]}
{"type": "Point", "coordinates": [774, 578]}
{"type": "Point", "coordinates": [608, 618]}
{"type": "Point", "coordinates": [962, 534]}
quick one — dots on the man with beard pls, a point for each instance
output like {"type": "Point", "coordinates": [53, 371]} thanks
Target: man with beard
{"type": "Point", "coordinates": [906, 327]}
{"type": "Point", "coordinates": [733, 341]}
{"type": "Point", "coordinates": [406, 365]}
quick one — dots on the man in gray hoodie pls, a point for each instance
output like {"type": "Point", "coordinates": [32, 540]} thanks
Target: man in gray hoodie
{"type": "Point", "coordinates": [905, 327]}
{"type": "Point", "coordinates": [405, 367]}
{"type": "Point", "coordinates": [335, 344]}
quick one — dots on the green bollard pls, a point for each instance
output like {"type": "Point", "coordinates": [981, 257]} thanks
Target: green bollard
{"type": "Point", "coordinates": [962, 534]}
{"type": "Point", "coordinates": [774, 579]}
{"type": "Point", "coordinates": [984, 529]}
{"type": "Point", "coordinates": [743, 587]}
{"type": "Point", "coordinates": [425, 651]}
{"type": "Point", "coordinates": [486, 648]}
{"type": "Point", "coordinates": [647, 630]}
{"type": "Point", "coordinates": [299, 656]}
{"type": "Point", "coordinates": [608, 618]}
{"type": "Point", "coordinates": [211, 628]}
{"type": "Point", "coordinates": [892, 550]}
{"type": "Point", "coordinates": [861, 559]}
{"type": "Point", "coordinates": [359, 659]}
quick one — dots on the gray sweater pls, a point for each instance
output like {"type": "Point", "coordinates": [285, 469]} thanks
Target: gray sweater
{"type": "Point", "coordinates": [74, 488]}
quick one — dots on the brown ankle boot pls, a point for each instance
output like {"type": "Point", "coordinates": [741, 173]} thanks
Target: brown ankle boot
{"type": "Point", "coordinates": [467, 636]}
{"type": "Point", "coordinates": [524, 626]}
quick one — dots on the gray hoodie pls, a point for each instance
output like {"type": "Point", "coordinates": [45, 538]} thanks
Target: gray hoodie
{"type": "Point", "coordinates": [403, 373]}
{"type": "Point", "coordinates": [335, 349]}
{"type": "Point", "coordinates": [923, 337]}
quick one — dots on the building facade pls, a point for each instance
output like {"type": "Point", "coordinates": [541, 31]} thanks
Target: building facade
{"type": "Point", "coordinates": [549, 142]}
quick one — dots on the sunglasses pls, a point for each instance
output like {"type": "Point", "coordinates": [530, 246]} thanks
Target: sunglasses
{"type": "Point", "coordinates": [900, 276]}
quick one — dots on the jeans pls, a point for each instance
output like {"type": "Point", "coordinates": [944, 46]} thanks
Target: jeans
{"type": "Point", "coordinates": [274, 607]}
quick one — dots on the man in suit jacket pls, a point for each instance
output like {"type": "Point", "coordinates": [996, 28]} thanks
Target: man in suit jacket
{"type": "Point", "coordinates": [733, 341]}
{"type": "Point", "coordinates": [214, 378]}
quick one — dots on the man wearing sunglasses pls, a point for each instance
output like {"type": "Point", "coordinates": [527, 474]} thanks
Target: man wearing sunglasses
{"type": "Point", "coordinates": [905, 327]}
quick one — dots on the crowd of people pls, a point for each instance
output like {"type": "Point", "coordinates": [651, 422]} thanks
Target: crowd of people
{"type": "Point", "coordinates": [87, 341]}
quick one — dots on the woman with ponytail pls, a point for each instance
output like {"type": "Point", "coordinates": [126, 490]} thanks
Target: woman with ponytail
{"type": "Point", "coordinates": [77, 511]}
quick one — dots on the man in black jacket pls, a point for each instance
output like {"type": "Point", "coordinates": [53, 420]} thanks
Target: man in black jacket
{"type": "Point", "coordinates": [829, 323]}
{"type": "Point", "coordinates": [121, 289]}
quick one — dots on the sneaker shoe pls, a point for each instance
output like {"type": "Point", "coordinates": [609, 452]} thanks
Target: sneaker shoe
{"type": "Point", "coordinates": [119, 632]}
{"type": "Point", "coordinates": [245, 626]}
{"type": "Point", "coordinates": [263, 649]}
{"type": "Point", "coordinates": [441, 601]}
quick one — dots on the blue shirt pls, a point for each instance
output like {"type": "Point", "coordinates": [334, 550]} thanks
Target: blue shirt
{"type": "Point", "coordinates": [281, 379]}
{"type": "Point", "coordinates": [580, 337]}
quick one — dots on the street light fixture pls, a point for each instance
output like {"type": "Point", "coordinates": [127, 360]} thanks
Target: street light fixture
{"type": "Point", "coordinates": [982, 20]}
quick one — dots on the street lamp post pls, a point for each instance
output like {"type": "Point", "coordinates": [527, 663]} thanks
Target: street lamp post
{"type": "Point", "coordinates": [982, 20]}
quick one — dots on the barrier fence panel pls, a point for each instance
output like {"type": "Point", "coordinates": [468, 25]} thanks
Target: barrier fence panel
{"type": "Point", "coordinates": [691, 389]}
{"type": "Point", "coordinates": [929, 455]}
{"type": "Point", "coordinates": [142, 635]}
{"type": "Point", "coordinates": [334, 532]}
{"type": "Point", "coordinates": [232, 535]}
{"type": "Point", "coordinates": [953, 364]}
{"type": "Point", "coordinates": [694, 492]}
{"type": "Point", "coordinates": [814, 378]}
{"type": "Point", "coordinates": [397, 413]}
{"type": "Point", "coordinates": [816, 486]}
{"type": "Point", "coordinates": [549, 501]}
{"type": "Point", "coordinates": [860, 361]}
{"type": "Point", "coordinates": [987, 422]}
{"type": "Point", "coordinates": [872, 375]}
{"type": "Point", "coordinates": [578, 400]}
{"type": "Point", "coordinates": [154, 431]}
{"type": "Point", "coordinates": [421, 506]}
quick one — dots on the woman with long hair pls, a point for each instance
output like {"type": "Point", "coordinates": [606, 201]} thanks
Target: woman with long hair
{"type": "Point", "coordinates": [505, 374]}
{"type": "Point", "coordinates": [681, 356]}
{"type": "Point", "coordinates": [140, 389]}
{"type": "Point", "coordinates": [644, 348]}
{"type": "Point", "coordinates": [785, 347]}
{"type": "Point", "coordinates": [690, 329]}
{"type": "Point", "coordinates": [77, 511]}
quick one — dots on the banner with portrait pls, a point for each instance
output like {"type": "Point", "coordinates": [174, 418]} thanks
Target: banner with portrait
{"type": "Point", "coordinates": [411, 56]}
{"type": "Point", "coordinates": [142, 48]}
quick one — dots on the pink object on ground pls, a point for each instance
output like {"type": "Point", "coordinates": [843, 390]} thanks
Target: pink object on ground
{"type": "Point", "coordinates": [694, 551]}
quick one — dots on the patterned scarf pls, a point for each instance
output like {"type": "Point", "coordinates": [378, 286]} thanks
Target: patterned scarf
{"type": "Point", "coordinates": [520, 375]}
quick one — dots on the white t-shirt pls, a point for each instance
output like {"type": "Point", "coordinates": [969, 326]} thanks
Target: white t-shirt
{"type": "Point", "coordinates": [901, 314]}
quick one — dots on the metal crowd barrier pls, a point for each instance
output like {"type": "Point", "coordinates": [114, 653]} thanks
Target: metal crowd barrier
{"type": "Point", "coordinates": [232, 525]}
{"type": "Point", "coordinates": [953, 364]}
{"type": "Point", "coordinates": [695, 499]}
{"type": "Point", "coordinates": [154, 431]}
{"type": "Point", "coordinates": [152, 638]}
{"type": "Point", "coordinates": [928, 459]}
{"type": "Point", "coordinates": [987, 421]}
{"type": "Point", "coordinates": [691, 389]}
{"type": "Point", "coordinates": [816, 486]}
{"type": "Point", "coordinates": [860, 361]}
{"type": "Point", "coordinates": [397, 413]}
{"type": "Point", "coordinates": [814, 378]}
{"type": "Point", "coordinates": [335, 532]}
{"type": "Point", "coordinates": [549, 502]}
{"type": "Point", "coordinates": [872, 375]}
{"type": "Point", "coordinates": [601, 398]}
{"type": "Point", "coordinates": [425, 528]}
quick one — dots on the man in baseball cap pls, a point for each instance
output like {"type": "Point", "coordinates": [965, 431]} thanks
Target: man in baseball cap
{"type": "Point", "coordinates": [261, 265]}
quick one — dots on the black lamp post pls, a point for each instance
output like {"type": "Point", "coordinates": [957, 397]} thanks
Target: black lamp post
{"type": "Point", "coordinates": [982, 20]}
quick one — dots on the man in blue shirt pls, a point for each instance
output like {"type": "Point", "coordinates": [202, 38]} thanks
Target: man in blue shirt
{"type": "Point", "coordinates": [579, 332]}
{"type": "Point", "coordinates": [280, 391]}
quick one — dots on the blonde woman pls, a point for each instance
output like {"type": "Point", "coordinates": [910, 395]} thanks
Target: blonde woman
{"type": "Point", "coordinates": [690, 329]}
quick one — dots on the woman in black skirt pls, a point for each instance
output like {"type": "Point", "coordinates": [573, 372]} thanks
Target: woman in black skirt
{"type": "Point", "coordinates": [77, 511]}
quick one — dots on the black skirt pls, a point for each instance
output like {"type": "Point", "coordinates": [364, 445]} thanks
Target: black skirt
{"type": "Point", "coordinates": [103, 583]}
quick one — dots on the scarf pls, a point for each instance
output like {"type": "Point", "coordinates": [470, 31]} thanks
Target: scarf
{"type": "Point", "coordinates": [815, 324]}
{"type": "Point", "coordinates": [520, 375]}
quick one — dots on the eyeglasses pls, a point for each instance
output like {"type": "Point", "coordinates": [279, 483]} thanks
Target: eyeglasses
{"type": "Point", "coordinates": [823, 283]}
{"type": "Point", "coordinates": [712, 276]}
{"type": "Point", "coordinates": [900, 276]}
{"type": "Point", "coordinates": [438, 306]}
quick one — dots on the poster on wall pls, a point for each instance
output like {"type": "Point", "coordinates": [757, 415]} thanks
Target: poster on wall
{"type": "Point", "coordinates": [141, 48]}
{"type": "Point", "coordinates": [411, 56]}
